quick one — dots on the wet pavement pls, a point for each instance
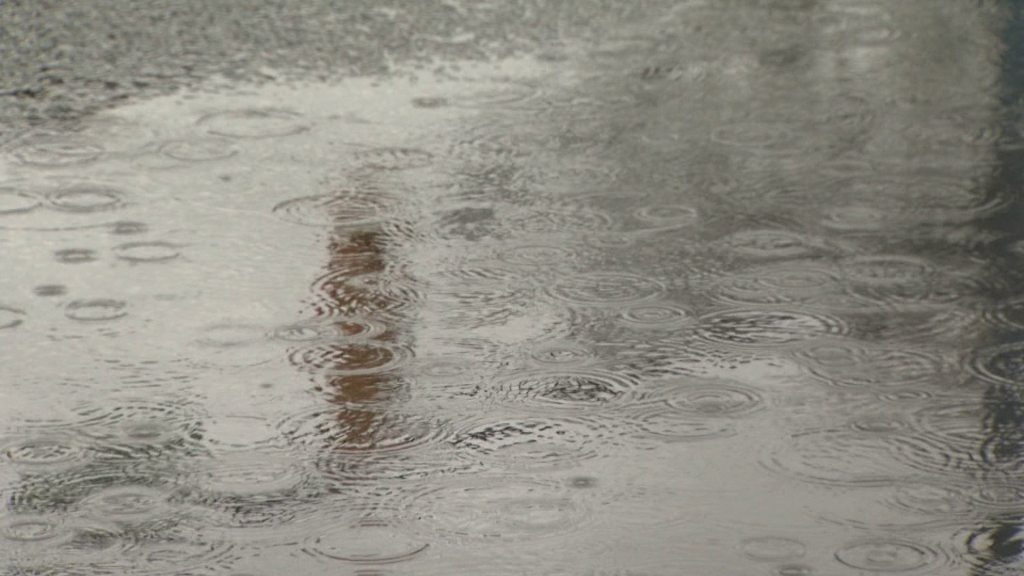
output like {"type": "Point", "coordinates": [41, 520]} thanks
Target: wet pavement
{"type": "Point", "coordinates": [695, 287]}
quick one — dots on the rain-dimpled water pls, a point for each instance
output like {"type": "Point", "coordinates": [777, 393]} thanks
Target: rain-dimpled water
{"type": "Point", "coordinates": [695, 288]}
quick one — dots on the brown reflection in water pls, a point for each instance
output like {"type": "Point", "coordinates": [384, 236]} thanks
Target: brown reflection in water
{"type": "Point", "coordinates": [354, 255]}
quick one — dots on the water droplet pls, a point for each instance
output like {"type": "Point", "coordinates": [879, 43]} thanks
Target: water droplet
{"type": "Point", "coordinates": [30, 529]}
{"type": "Point", "coordinates": [44, 452]}
{"type": "Point", "coordinates": [127, 227]}
{"type": "Point", "coordinates": [848, 457]}
{"type": "Point", "coordinates": [607, 288]}
{"type": "Point", "coordinates": [84, 198]}
{"type": "Point", "coordinates": [347, 208]}
{"type": "Point", "coordinates": [127, 503]}
{"type": "Point", "coordinates": [535, 443]}
{"type": "Point", "coordinates": [199, 149]}
{"type": "Point", "coordinates": [890, 555]}
{"type": "Point", "coordinates": [861, 365]}
{"type": "Point", "coordinates": [769, 286]}
{"type": "Point", "coordinates": [500, 509]}
{"type": "Point", "coordinates": [253, 123]}
{"type": "Point", "coordinates": [671, 425]}
{"type": "Point", "coordinates": [360, 430]}
{"type": "Point", "coordinates": [14, 201]}
{"type": "Point", "coordinates": [934, 500]}
{"type": "Point", "coordinates": [768, 243]}
{"type": "Point", "coordinates": [253, 474]}
{"type": "Point", "coordinates": [577, 390]}
{"type": "Point", "coordinates": [793, 570]}
{"type": "Point", "coordinates": [562, 353]}
{"type": "Point", "coordinates": [46, 291]}
{"type": "Point", "coordinates": [349, 328]}
{"type": "Point", "coordinates": [10, 317]}
{"type": "Point", "coordinates": [147, 251]}
{"type": "Point", "coordinates": [557, 220]}
{"type": "Point", "coordinates": [231, 334]}
{"type": "Point", "coordinates": [75, 255]}
{"type": "Point", "coordinates": [364, 541]}
{"type": "Point", "coordinates": [57, 151]}
{"type": "Point", "coordinates": [656, 317]}
{"type": "Point", "coordinates": [886, 269]}
{"type": "Point", "coordinates": [96, 310]}
{"type": "Point", "coordinates": [1000, 364]}
{"type": "Point", "coordinates": [772, 548]}
{"type": "Point", "coordinates": [341, 358]}
{"type": "Point", "coordinates": [767, 328]}
{"type": "Point", "coordinates": [751, 135]}
{"type": "Point", "coordinates": [141, 422]}
{"type": "Point", "coordinates": [538, 255]}
{"type": "Point", "coordinates": [429, 102]}
{"type": "Point", "coordinates": [666, 216]}
{"type": "Point", "coordinates": [712, 399]}
{"type": "Point", "coordinates": [394, 158]}
{"type": "Point", "coordinates": [856, 218]}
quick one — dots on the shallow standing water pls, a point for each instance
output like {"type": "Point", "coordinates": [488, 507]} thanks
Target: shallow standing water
{"type": "Point", "coordinates": [730, 289]}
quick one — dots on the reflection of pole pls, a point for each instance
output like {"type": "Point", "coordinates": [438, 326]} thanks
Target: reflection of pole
{"type": "Point", "coordinates": [353, 253]}
{"type": "Point", "coordinates": [1004, 406]}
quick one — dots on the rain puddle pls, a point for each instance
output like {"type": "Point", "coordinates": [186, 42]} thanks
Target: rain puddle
{"type": "Point", "coordinates": [729, 291]}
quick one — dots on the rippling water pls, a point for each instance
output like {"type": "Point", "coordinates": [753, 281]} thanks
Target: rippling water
{"type": "Point", "coordinates": [729, 290]}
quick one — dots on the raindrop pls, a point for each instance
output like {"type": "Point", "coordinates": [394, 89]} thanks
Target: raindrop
{"type": "Point", "coordinates": [861, 365]}
{"type": "Point", "coordinates": [360, 430]}
{"type": "Point", "coordinates": [606, 288]}
{"type": "Point", "coordinates": [767, 328]}
{"type": "Point", "coordinates": [886, 269]}
{"type": "Point", "coordinates": [666, 216]}
{"type": "Point", "coordinates": [718, 399]}
{"type": "Point", "coordinates": [772, 548]}
{"type": "Point", "coordinates": [1000, 364]}
{"type": "Point", "coordinates": [84, 198]}
{"type": "Point", "coordinates": [776, 286]}
{"type": "Point", "coordinates": [429, 102]}
{"type": "Point", "coordinates": [562, 353]}
{"type": "Point", "coordinates": [13, 201]}
{"type": "Point", "coordinates": [342, 358]}
{"type": "Point", "coordinates": [576, 390]}
{"type": "Point", "coordinates": [10, 317]}
{"type": "Point", "coordinates": [848, 457]}
{"type": "Point", "coordinates": [394, 158]}
{"type": "Point", "coordinates": [253, 123]}
{"type": "Point", "coordinates": [939, 501]}
{"type": "Point", "coordinates": [670, 425]}
{"type": "Point", "coordinates": [654, 317]}
{"type": "Point", "coordinates": [127, 503]}
{"type": "Point", "coordinates": [364, 541]}
{"type": "Point", "coordinates": [182, 549]}
{"type": "Point", "coordinates": [46, 291]}
{"type": "Point", "coordinates": [793, 570]}
{"type": "Point", "coordinates": [43, 452]}
{"type": "Point", "coordinates": [231, 334]}
{"type": "Point", "coordinates": [75, 255]}
{"type": "Point", "coordinates": [96, 310]}
{"type": "Point", "coordinates": [889, 555]}
{"type": "Point", "coordinates": [199, 149]}
{"type": "Point", "coordinates": [139, 422]}
{"type": "Point", "coordinates": [557, 221]}
{"type": "Point", "coordinates": [498, 509]}
{"type": "Point", "coordinates": [856, 219]}
{"type": "Point", "coordinates": [147, 251]}
{"type": "Point", "coordinates": [538, 255]}
{"type": "Point", "coordinates": [349, 328]}
{"type": "Point", "coordinates": [751, 135]}
{"type": "Point", "coordinates": [127, 228]}
{"type": "Point", "coordinates": [348, 208]}
{"type": "Point", "coordinates": [768, 243]}
{"type": "Point", "coordinates": [57, 152]}
{"type": "Point", "coordinates": [30, 529]}
{"type": "Point", "coordinates": [535, 443]}
{"type": "Point", "coordinates": [252, 475]}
